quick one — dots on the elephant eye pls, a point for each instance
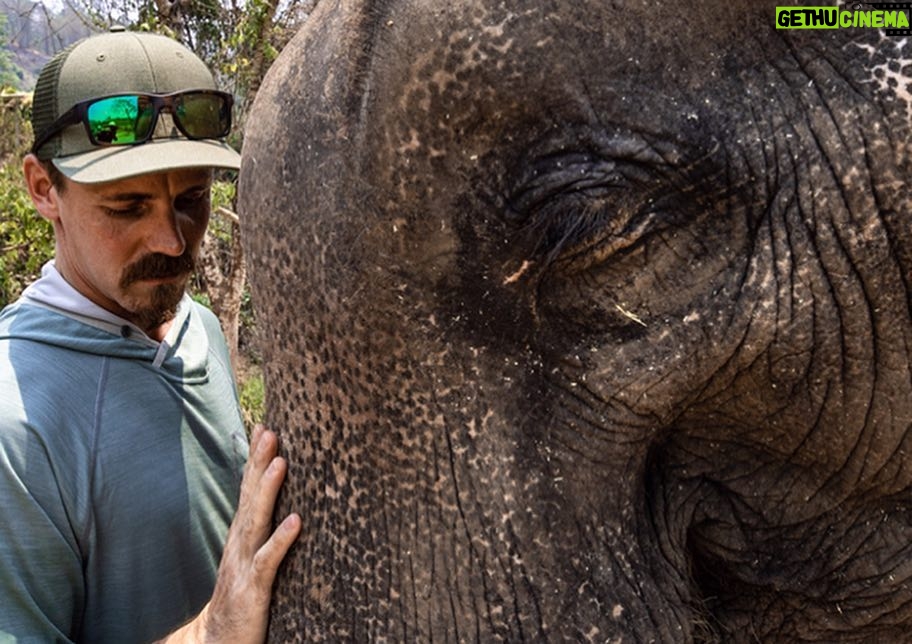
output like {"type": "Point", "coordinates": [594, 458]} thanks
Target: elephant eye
{"type": "Point", "coordinates": [580, 174]}
{"type": "Point", "coordinates": [572, 202]}
{"type": "Point", "coordinates": [581, 207]}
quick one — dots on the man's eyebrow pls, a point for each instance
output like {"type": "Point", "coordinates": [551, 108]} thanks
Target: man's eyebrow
{"type": "Point", "coordinates": [138, 195]}
{"type": "Point", "coordinates": [127, 196]}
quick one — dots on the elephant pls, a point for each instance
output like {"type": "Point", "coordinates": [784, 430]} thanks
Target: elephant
{"type": "Point", "coordinates": [586, 321]}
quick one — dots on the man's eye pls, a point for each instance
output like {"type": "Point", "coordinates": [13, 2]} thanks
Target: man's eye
{"type": "Point", "coordinates": [129, 212]}
{"type": "Point", "coordinates": [193, 201]}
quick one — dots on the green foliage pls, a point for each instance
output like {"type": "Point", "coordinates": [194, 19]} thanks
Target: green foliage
{"type": "Point", "coordinates": [253, 397]}
{"type": "Point", "coordinates": [10, 75]}
{"type": "Point", "coordinates": [200, 297]}
{"type": "Point", "coordinates": [223, 194]}
{"type": "Point", "coordinates": [248, 317]}
{"type": "Point", "coordinates": [26, 240]}
{"type": "Point", "coordinates": [15, 129]}
{"type": "Point", "coordinates": [250, 41]}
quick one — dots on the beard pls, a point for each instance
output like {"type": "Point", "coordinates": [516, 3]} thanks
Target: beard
{"type": "Point", "coordinates": [162, 305]}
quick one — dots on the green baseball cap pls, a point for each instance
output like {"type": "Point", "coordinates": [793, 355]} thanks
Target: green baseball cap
{"type": "Point", "coordinates": [121, 62]}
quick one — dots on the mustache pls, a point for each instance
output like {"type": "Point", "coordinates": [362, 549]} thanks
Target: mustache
{"type": "Point", "coordinates": [158, 266]}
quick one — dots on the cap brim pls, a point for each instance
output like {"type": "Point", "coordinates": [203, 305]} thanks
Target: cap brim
{"type": "Point", "coordinates": [159, 155]}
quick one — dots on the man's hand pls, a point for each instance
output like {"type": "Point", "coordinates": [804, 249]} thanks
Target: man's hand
{"type": "Point", "coordinates": [239, 609]}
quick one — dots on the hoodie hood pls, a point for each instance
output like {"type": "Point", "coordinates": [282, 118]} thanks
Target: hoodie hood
{"type": "Point", "coordinates": [52, 312]}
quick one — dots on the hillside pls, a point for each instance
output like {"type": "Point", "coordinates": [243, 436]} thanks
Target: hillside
{"type": "Point", "coordinates": [35, 31]}
{"type": "Point", "coordinates": [28, 62]}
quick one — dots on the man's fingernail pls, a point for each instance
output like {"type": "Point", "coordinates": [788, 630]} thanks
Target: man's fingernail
{"type": "Point", "coordinates": [275, 466]}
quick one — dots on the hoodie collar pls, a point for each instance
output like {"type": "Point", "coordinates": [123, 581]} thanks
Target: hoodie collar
{"type": "Point", "coordinates": [52, 291]}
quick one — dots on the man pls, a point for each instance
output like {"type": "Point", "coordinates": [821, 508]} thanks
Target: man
{"type": "Point", "coordinates": [121, 445]}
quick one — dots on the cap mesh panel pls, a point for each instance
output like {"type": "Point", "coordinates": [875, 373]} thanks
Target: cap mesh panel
{"type": "Point", "coordinates": [44, 102]}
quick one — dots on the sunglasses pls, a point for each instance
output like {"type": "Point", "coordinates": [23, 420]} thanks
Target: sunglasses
{"type": "Point", "coordinates": [129, 119]}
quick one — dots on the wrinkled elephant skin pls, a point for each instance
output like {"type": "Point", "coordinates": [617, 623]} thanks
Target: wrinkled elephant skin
{"type": "Point", "coordinates": [586, 321]}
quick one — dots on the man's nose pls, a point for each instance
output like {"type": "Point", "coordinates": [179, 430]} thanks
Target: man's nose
{"type": "Point", "coordinates": [165, 235]}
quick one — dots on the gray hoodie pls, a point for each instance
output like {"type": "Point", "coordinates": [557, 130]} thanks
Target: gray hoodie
{"type": "Point", "coordinates": [120, 466]}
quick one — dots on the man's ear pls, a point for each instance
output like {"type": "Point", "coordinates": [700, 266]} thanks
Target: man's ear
{"type": "Point", "coordinates": [40, 187]}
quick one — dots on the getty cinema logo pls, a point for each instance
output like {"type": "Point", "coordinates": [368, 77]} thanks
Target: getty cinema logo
{"type": "Point", "coordinates": [892, 17]}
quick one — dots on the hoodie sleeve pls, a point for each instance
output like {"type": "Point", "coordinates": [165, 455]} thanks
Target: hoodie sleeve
{"type": "Point", "coordinates": [40, 566]}
{"type": "Point", "coordinates": [42, 590]}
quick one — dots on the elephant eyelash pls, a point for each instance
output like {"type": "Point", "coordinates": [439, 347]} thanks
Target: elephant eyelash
{"type": "Point", "coordinates": [573, 202]}
{"type": "Point", "coordinates": [581, 208]}
{"type": "Point", "coordinates": [577, 174]}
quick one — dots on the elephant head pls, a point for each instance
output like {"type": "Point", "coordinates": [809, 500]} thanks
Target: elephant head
{"type": "Point", "coordinates": [587, 321]}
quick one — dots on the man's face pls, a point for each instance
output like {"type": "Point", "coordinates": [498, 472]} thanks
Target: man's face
{"type": "Point", "coordinates": [130, 245]}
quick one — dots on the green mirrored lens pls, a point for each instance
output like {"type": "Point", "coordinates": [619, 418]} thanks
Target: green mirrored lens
{"type": "Point", "coordinates": [120, 120]}
{"type": "Point", "coordinates": [204, 116]}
